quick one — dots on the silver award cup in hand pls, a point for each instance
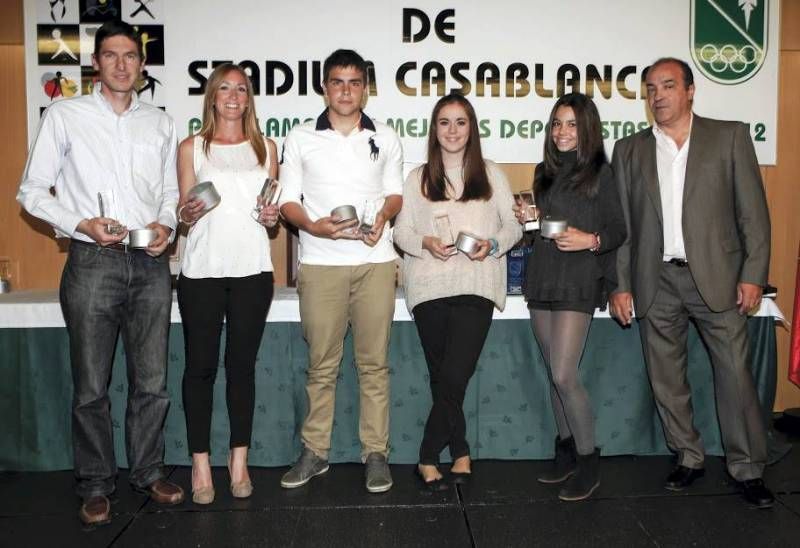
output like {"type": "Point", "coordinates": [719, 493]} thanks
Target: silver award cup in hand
{"type": "Point", "coordinates": [441, 224]}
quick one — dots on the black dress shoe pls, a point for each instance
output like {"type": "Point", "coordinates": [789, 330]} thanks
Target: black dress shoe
{"type": "Point", "coordinates": [460, 478]}
{"type": "Point", "coordinates": [433, 485]}
{"type": "Point", "coordinates": [682, 477]}
{"type": "Point", "coordinates": [757, 494]}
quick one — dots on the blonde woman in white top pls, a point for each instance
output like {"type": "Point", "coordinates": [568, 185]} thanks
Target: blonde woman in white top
{"type": "Point", "coordinates": [226, 273]}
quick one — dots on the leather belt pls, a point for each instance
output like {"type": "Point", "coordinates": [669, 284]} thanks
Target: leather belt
{"type": "Point", "coordinates": [682, 263]}
{"type": "Point", "coordinates": [122, 248]}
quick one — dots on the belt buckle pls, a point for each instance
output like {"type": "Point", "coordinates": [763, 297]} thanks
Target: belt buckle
{"type": "Point", "coordinates": [678, 262]}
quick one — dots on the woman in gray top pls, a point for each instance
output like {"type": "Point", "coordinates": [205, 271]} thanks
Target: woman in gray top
{"type": "Point", "coordinates": [452, 294]}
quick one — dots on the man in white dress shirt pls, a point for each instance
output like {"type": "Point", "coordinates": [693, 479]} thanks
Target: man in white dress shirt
{"type": "Point", "coordinates": [346, 276]}
{"type": "Point", "coordinates": [111, 160]}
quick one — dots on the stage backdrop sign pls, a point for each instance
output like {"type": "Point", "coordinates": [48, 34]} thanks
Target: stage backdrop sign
{"type": "Point", "coordinates": [512, 59]}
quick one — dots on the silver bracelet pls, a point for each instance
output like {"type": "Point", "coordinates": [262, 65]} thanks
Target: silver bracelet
{"type": "Point", "coordinates": [180, 219]}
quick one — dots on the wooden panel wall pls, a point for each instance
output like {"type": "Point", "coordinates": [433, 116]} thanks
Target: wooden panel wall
{"type": "Point", "coordinates": [782, 183]}
{"type": "Point", "coordinates": [37, 259]}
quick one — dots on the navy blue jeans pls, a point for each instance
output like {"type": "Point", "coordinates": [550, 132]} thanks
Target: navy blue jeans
{"type": "Point", "coordinates": [105, 292]}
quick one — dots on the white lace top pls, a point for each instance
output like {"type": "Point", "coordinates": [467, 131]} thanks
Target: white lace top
{"type": "Point", "coordinates": [227, 241]}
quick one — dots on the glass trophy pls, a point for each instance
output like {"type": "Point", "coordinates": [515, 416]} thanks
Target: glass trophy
{"type": "Point", "coordinates": [270, 192]}
{"type": "Point", "coordinates": [531, 213]}
{"type": "Point", "coordinates": [441, 224]}
{"type": "Point", "coordinates": [369, 216]}
{"type": "Point", "coordinates": [111, 228]}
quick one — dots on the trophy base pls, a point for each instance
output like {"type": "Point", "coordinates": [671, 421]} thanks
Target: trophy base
{"type": "Point", "coordinates": [530, 226]}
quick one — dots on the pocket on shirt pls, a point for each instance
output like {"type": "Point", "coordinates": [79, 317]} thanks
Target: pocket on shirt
{"type": "Point", "coordinates": [148, 162]}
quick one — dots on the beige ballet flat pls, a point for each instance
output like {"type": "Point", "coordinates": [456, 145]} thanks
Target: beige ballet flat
{"type": "Point", "coordinates": [203, 495]}
{"type": "Point", "coordinates": [242, 489]}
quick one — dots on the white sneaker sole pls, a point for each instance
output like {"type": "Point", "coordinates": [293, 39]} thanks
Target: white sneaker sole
{"type": "Point", "coordinates": [292, 485]}
{"type": "Point", "coordinates": [381, 489]}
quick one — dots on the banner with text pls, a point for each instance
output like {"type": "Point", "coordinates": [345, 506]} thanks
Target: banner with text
{"type": "Point", "coordinates": [512, 59]}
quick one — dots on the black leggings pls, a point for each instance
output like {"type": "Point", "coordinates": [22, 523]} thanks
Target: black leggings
{"type": "Point", "coordinates": [204, 304]}
{"type": "Point", "coordinates": [452, 331]}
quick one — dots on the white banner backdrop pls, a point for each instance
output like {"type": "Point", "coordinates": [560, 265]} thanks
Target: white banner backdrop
{"type": "Point", "coordinates": [511, 58]}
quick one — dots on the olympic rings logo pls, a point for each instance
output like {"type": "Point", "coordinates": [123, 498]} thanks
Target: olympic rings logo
{"type": "Point", "coordinates": [728, 57]}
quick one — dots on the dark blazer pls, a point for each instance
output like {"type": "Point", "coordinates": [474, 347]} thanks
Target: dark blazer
{"type": "Point", "coordinates": [726, 226]}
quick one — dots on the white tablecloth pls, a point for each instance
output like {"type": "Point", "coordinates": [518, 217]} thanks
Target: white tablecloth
{"type": "Point", "coordinates": [41, 309]}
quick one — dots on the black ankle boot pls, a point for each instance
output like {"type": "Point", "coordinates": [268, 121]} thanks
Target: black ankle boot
{"type": "Point", "coordinates": [585, 480]}
{"type": "Point", "coordinates": [563, 463]}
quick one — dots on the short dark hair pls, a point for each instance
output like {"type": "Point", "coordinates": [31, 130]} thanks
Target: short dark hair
{"type": "Point", "coordinates": [117, 28]}
{"type": "Point", "coordinates": [688, 75]}
{"type": "Point", "coordinates": [344, 58]}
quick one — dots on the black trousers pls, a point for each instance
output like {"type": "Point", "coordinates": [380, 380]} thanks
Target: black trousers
{"type": "Point", "coordinates": [452, 331]}
{"type": "Point", "coordinates": [205, 303]}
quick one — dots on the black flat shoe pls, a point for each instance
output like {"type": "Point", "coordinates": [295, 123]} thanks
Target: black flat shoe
{"type": "Point", "coordinates": [682, 477]}
{"type": "Point", "coordinates": [460, 478]}
{"type": "Point", "coordinates": [756, 493]}
{"type": "Point", "coordinates": [434, 485]}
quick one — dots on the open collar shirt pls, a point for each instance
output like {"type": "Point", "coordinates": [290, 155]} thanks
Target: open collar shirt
{"type": "Point", "coordinates": [83, 148]}
{"type": "Point", "coordinates": [671, 166]}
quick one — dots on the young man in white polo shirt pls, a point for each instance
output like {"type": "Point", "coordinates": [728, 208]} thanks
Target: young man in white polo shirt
{"type": "Point", "coordinates": [346, 276]}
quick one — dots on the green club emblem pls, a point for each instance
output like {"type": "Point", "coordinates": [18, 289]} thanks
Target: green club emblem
{"type": "Point", "coordinates": [729, 38]}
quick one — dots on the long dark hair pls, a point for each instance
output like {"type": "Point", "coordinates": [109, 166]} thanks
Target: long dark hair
{"type": "Point", "coordinates": [591, 156]}
{"type": "Point", "coordinates": [434, 177]}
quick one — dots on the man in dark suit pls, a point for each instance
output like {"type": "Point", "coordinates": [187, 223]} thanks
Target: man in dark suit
{"type": "Point", "coordinates": [697, 249]}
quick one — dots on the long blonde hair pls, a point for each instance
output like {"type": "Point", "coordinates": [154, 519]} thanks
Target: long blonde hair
{"type": "Point", "coordinates": [249, 122]}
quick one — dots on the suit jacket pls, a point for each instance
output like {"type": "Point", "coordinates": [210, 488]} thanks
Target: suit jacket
{"type": "Point", "coordinates": [726, 226]}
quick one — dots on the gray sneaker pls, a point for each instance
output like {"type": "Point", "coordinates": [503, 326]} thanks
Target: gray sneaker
{"type": "Point", "coordinates": [379, 479]}
{"type": "Point", "coordinates": [306, 467]}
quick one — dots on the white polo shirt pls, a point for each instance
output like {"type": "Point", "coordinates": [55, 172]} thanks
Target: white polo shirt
{"type": "Point", "coordinates": [323, 169]}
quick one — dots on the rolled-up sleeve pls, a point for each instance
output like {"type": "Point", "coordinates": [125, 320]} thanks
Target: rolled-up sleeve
{"type": "Point", "coordinates": [167, 215]}
{"type": "Point", "coordinates": [43, 167]}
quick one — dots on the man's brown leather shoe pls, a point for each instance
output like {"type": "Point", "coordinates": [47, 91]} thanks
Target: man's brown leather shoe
{"type": "Point", "coordinates": [165, 492]}
{"type": "Point", "coordinates": [95, 510]}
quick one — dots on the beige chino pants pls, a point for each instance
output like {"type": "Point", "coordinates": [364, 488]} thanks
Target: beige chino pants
{"type": "Point", "coordinates": [331, 298]}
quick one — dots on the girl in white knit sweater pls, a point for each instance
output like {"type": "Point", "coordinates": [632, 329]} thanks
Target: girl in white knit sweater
{"type": "Point", "coordinates": [452, 295]}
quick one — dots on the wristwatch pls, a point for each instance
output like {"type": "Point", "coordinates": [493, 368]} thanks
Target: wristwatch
{"type": "Point", "coordinates": [495, 246]}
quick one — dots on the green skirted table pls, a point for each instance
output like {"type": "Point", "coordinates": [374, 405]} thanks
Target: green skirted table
{"type": "Point", "coordinates": [507, 403]}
